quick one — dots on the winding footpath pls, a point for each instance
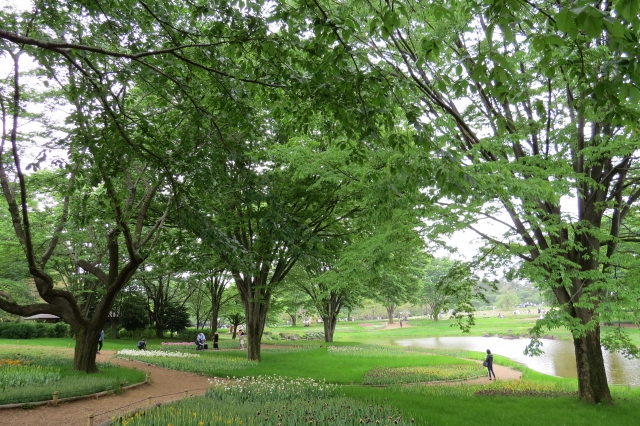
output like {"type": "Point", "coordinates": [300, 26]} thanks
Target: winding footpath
{"type": "Point", "coordinates": [76, 413]}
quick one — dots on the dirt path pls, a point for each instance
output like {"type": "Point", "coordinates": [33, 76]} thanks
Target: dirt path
{"type": "Point", "coordinates": [163, 382]}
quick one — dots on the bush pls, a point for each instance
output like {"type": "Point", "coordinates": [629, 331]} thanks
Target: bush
{"type": "Point", "coordinates": [309, 335]}
{"type": "Point", "coordinates": [190, 334]}
{"type": "Point", "coordinates": [62, 329]}
{"type": "Point", "coordinates": [17, 330]}
{"type": "Point", "coordinates": [28, 330]}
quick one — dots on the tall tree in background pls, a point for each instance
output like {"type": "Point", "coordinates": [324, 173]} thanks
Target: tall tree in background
{"type": "Point", "coordinates": [527, 103]}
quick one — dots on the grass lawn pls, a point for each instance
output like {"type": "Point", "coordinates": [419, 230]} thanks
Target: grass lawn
{"type": "Point", "coordinates": [363, 346]}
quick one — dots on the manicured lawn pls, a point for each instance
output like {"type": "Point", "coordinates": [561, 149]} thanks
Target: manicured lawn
{"type": "Point", "coordinates": [481, 410]}
{"type": "Point", "coordinates": [318, 364]}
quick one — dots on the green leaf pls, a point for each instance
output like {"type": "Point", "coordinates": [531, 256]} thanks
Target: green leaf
{"type": "Point", "coordinates": [565, 20]}
{"type": "Point", "coordinates": [590, 24]}
{"type": "Point", "coordinates": [628, 9]}
{"type": "Point", "coordinates": [554, 40]}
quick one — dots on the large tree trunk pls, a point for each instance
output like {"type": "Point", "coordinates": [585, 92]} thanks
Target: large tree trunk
{"type": "Point", "coordinates": [84, 357]}
{"type": "Point", "coordinates": [293, 319]}
{"type": "Point", "coordinates": [256, 317]}
{"type": "Point", "coordinates": [592, 376]}
{"type": "Point", "coordinates": [329, 323]}
{"type": "Point", "coordinates": [159, 328]}
{"type": "Point", "coordinates": [390, 310]}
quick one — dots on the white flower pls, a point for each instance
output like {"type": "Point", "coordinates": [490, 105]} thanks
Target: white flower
{"type": "Point", "coordinates": [156, 354]}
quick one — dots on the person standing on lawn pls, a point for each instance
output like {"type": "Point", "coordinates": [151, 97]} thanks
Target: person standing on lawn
{"type": "Point", "coordinates": [100, 340]}
{"type": "Point", "coordinates": [241, 333]}
{"type": "Point", "coordinates": [215, 341]}
{"type": "Point", "coordinates": [488, 362]}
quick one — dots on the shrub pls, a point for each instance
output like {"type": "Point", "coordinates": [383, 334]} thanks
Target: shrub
{"type": "Point", "coordinates": [62, 329]}
{"type": "Point", "coordinates": [309, 335]}
{"type": "Point", "coordinates": [189, 334]}
{"type": "Point", "coordinates": [17, 330]}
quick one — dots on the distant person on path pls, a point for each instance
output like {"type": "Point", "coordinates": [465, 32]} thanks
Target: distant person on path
{"type": "Point", "coordinates": [215, 341]}
{"type": "Point", "coordinates": [241, 333]}
{"type": "Point", "coordinates": [142, 345]}
{"type": "Point", "coordinates": [400, 324]}
{"type": "Point", "coordinates": [100, 340]}
{"type": "Point", "coordinates": [489, 364]}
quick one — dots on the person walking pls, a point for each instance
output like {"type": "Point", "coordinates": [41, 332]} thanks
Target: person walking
{"type": "Point", "coordinates": [100, 340]}
{"type": "Point", "coordinates": [241, 333]}
{"type": "Point", "coordinates": [488, 362]}
{"type": "Point", "coordinates": [215, 341]}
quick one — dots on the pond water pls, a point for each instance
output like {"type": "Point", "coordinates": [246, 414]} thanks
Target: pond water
{"type": "Point", "coordinates": [558, 359]}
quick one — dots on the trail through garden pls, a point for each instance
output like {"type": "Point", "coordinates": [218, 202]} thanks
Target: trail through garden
{"type": "Point", "coordinates": [165, 385]}
{"type": "Point", "coordinates": [163, 382]}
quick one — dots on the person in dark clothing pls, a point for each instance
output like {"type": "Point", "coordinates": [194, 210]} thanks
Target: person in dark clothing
{"type": "Point", "coordinates": [142, 345]}
{"type": "Point", "coordinates": [100, 340]}
{"type": "Point", "coordinates": [489, 364]}
{"type": "Point", "coordinates": [215, 341]}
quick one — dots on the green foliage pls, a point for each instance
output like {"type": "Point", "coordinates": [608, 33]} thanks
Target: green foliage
{"type": "Point", "coordinates": [176, 317]}
{"type": "Point", "coordinates": [33, 330]}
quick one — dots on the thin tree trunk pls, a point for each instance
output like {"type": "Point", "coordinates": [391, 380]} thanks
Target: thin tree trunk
{"type": "Point", "coordinates": [214, 318]}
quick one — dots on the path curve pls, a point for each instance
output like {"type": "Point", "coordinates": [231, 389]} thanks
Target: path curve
{"type": "Point", "coordinates": [163, 382]}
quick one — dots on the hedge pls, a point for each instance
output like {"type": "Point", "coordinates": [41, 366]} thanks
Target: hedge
{"type": "Point", "coordinates": [28, 330]}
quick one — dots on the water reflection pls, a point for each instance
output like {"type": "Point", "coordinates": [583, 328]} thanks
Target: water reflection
{"type": "Point", "coordinates": [558, 359]}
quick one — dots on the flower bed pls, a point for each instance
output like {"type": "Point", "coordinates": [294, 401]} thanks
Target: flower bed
{"type": "Point", "coordinates": [14, 374]}
{"type": "Point", "coordinates": [25, 379]}
{"type": "Point", "coordinates": [268, 400]}
{"type": "Point", "coordinates": [269, 388]}
{"type": "Point", "coordinates": [389, 376]}
{"type": "Point", "coordinates": [369, 351]}
{"type": "Point", "coordinates": [155, 354]}
{"type": "Point", "coordinates": [178, 344]}
{"type": "Point", "coordinates": [192, 363]}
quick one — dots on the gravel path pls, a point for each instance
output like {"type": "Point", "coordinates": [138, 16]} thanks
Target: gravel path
{"type": "Point", "coordinates": [163, 382]}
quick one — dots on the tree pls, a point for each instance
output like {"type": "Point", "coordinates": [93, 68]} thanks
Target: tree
{"type": "Point", "coordinates": [134, 77]}
{"type": "Point", "coordinates": [527, 104]}
{"type": "Point", "coordinates": [130, 310]}
{"type": "Point", "coordinates": [431, 296]}
{"type": "Point", "coordinates": [175, 317]}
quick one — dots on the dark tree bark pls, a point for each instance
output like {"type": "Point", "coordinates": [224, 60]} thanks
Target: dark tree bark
{"type": "Point", "coordinates": [216, 284]}
{"type": "Point", "coordinates": [293, 317]}
{"type": "Point", "coordinates": [391, 308]}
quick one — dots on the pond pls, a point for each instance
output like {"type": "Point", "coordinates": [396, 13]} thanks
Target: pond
{"type": "Point", "coordinates": [558, 359]}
